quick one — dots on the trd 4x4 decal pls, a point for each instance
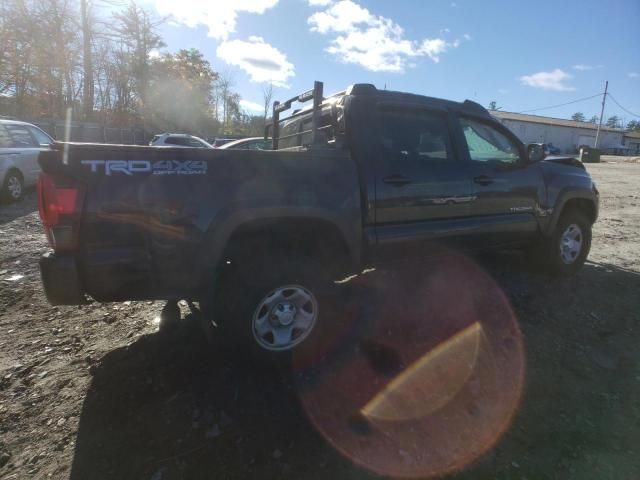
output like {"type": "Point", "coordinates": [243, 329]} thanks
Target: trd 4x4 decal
{"type": "Point", "coordinates": [162, 167]}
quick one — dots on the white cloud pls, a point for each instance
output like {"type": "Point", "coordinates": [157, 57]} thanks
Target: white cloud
{"type": "Point", "coordinates": [154, 54]}
{"type": "Point", "coordinates": [219, 17]}
{"type": "Point", "coordinates": [553, 80]}
{"type": "Point", "coordinates": [583, 68]}
{"type": "Point", "coordinates": [633, 75]}
{"type": "Point", "coordinates": [320, 3]}
{"type": "Point", "coordinates": [263, 62]}
{"type": "Point", "coordinates": [251, 106]}
{"type": "Point", "coordinates": [377, 43]}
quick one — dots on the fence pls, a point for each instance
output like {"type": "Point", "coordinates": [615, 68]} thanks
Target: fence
{"type": "Point", "coordinates": [94, 132]}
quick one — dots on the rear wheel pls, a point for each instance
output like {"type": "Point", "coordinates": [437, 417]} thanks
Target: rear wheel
{"type": "Point", "coordinates": [566, 250]}
{"type": "Point", "coordinates": [13, 187]}
{"type": "Point", "coordinates": [272, 306]}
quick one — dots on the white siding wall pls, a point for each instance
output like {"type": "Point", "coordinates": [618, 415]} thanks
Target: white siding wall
{"type": "Point", "coordinates": [565, 138]}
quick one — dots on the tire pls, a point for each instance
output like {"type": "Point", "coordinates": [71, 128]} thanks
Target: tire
{"type": "Point", "coordinates": [270, 307]}
{"type": "Point", "coordinates": [565, 252]}
{"type": "Point", "coordinates": [13, 188]}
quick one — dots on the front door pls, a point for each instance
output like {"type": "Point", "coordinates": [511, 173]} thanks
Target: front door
{"type": "Point", "coordinates": [422, 188]}
{"type": "Point", "coordinates": [506, 187]}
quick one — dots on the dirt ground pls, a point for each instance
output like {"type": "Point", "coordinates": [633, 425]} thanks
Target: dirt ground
{"type": "Point", "coordinates": [95, 392]}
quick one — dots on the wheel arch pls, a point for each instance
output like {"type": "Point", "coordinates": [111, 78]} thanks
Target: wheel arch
{"type": "Point", "coordinates": [313, 234]}
{"type": "Point", "coordinates": [573, 199]}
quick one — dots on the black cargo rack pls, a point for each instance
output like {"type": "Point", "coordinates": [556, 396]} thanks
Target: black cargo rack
{"type": "Point", "coordinates": [317, 96]}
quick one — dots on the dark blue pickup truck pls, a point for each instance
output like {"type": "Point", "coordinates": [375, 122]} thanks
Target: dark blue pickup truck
{"type": "Point", "coordinates": [357, 178]}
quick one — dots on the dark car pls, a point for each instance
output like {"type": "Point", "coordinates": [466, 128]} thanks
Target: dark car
{"type": "Point", "coordinates": [361, 178]}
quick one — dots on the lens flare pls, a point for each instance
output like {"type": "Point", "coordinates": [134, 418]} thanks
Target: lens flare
{"type": "Point", "coordinates": [424, 378]}
{"type": "Point", "coordinates": [431, 382]}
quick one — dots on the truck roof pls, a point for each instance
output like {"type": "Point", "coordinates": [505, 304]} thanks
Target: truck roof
{"type": "Point", "coordinates": [393, 96]}
{"type": "Point", "coordinates": [319, 101]}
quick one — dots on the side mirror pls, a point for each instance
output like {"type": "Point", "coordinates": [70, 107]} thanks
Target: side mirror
{"type": "Point", "coordinates": [535, 151]}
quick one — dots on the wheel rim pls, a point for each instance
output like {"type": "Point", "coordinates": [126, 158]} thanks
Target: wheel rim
{"type": "Point", "coordinates": [14, 187]}
{"type": "Point", "coordinates": [571, 244]}
{"type": "Point", "coordinates": [284, 318]}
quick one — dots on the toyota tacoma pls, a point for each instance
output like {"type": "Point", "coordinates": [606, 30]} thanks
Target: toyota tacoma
{"type": "Point", "coordinates": [355, 179]}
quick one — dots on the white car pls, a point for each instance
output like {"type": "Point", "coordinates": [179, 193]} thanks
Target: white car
{"type": "Point", "coordinates": [20, 144]}
{"type": "Point", "coordinates": [252, 143]}
{"type": "Point", "coordinates": [179, 140]}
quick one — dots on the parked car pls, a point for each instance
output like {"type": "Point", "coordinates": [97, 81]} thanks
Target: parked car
{"type": "Point", "coordinates": [179, 140]}
{"type": "Point", "coordinates": [551, 149]}
{"type": "Point", "coordinates": [20, 144]}
{"type": "Point", "coordinates": [362, 178]}
{"type": "Point", "coordinates": [220, 141]}
{"type": "Point", "coordinates": [251, 143]}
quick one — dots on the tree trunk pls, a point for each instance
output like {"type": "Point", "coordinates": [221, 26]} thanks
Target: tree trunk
{"type": "Point", "coordinates": [88, 90]}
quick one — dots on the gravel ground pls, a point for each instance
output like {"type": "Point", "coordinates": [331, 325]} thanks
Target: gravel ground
{"type": "Point", "coordinates": [96, 392]}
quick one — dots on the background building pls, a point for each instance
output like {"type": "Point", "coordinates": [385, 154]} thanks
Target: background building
{"type": "Point", "coordinates": [567, 135]}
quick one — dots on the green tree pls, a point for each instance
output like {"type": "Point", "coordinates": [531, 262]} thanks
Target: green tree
{"type": "Point", "coordinates": [633, 125]}
{"type": "Point", "coordinates": [578, 117]}
{"type": "Point", "coordinates": [593, 119]}
{"type": "Point", "coordinates": [493, 105]}
{"type": "Point", "coordinates": [180, 95]}
{"type": "Point", "coordinates": [613, 122]}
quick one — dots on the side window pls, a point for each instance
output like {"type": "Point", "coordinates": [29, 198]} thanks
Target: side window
{"type": "Point", "coordinates": [289, 129]}
{"type": "Point", "coordinates": [411, 134]}
{"type": "Point", "coordinates": [5, 139]}
{"type": "Point", "coordinates": [486, 144]}
{"type": "Point", "coordinates": [21, 136]}
{"type": "Point", "coordinates": [175, 141]}
{"type": "Point", "coordinates": [41, 137]}
{"type": "Point", "coordinates": [193, 142]}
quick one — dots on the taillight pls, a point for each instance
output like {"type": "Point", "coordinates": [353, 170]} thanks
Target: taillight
{"type": "Point", "coordinates": [60, 206]}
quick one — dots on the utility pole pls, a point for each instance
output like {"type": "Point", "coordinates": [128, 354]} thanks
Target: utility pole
{"type": "Point", "coordinates": [604, 99]}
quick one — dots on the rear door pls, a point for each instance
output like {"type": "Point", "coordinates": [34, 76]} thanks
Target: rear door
{"type": "Point", "coordinates": [422, 188]}
{"type": "Point", "coordinates": [506, 187]}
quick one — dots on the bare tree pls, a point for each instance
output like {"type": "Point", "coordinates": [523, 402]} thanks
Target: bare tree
{"type": "Point", "coordinates": [223, 87]}
{"type": "Point", "coordinates": [267, 96]}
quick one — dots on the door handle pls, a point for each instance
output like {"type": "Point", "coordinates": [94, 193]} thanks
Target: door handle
{"type": "Point", "coordinates": [396, 180]}
{"type": "Point", "coordinates": [483, 180]}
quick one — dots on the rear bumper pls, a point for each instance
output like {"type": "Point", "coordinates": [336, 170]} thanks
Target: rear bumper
{"type": "Point", "coordinates": [61, 280]}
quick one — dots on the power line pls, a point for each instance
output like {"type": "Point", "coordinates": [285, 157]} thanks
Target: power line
{"type": "Point", "coordinates": [628, 111]}
{"type": "Point", "coordinates": [562, 104]}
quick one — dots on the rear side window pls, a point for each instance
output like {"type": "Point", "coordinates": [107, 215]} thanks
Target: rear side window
{"type": "Point", "coordinates": [21, 136]}
{"type": "Point", "coordinates": [487, 144]}
{"type": "Point", "coordinates": [5, 139]}
{"type": "Point", "coordinates": [414, 134]}
{"type": "Point", "coordinates": [184, 142]}
{"type": "Point", "coordinates": [194, 142]}
{"type": "Point", "coordinates": [41, 137]}
{"type": "Point", "coordinates": [298, 130]}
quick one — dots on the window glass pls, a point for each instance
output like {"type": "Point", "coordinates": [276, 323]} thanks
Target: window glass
{"type": "Point", "coordinates": [416, 135]}
{"type": "Point", "coordinates": [194, 142]}
{"type": "Point", "coordinates": [41, 137]}
{"type": "Point", "coordinates": [5, 139]}
{"type": "Point", "coordinates": [21, 136]}
{"type": "Point", "coordinates": [291, 127]}
{"type": "Point", "coordinates": [487, 144]}
{"type": "Point", "coordinates": [182, 141]}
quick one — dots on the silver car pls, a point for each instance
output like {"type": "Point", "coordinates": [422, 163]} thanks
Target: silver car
{"type": "Point", "coordinates": [20, 144]}
{"type": "Point", "coordinates": [178, 140]}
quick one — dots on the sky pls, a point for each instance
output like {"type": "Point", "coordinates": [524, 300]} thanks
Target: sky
{"type": "Point", "coordinates": [522, 55]}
